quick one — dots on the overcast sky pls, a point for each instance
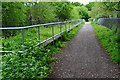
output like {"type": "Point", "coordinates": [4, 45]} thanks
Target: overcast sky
{"type": "Point", "coordinates": [81, 1]}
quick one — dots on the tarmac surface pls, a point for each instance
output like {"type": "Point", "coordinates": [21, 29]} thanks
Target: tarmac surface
{"type": "Point", "coordinates": [84, 57]}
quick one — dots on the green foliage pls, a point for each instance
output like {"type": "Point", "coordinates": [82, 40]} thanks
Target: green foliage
{"type": "Point", "coordinates": [109, 39]}
{"type": "Point", "coordinates": [74, 13]}
{"type": "Point", "coordinates": [23, 13]}
{"type": "Point", "coordinates": [89, 6]}
{"type": "Point", "coordinates": [30, 37]}
{"type": "Point", "coordinates": [83, 12]}
{"type": "Point", "coordinates": [31, 64]}
{"type": "Point", "coordinates": [43, 11]}
{"type": "Point", "coordinates": [63, 10]}
{"type": "Point", "coordinates": [77, 4]}
{"type": "Point", "coordinates": [13, 11]}
{"type": "Point", "coordinates": [79, 11]}
{"type": "Point", "coordinates": [12, 14]}
{"type": "Point", "coordinates": [105, 10]}
{"type": "Point", "coordinates": [36, 62]}
{"type": "Point", "coordinates": [67, 36]}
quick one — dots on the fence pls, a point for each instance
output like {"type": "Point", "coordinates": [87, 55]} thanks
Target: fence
{"type": "Point", "coordinates": [55, 29]}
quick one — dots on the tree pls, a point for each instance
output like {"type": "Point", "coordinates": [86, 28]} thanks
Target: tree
{"type": "Point", "coordinates": [43, 11]}
{"type": "Point", "coordinates": [77, 4]}
{"type": "Point", "coordinates": [83, 12]}
{"type": "Point", "coordinates": [63, 10]}
{"type": "Point", "coordinates": [13, 13]}
{"type": "Point", "coordinates": [74, 13]}
{"type": "Point", "coordinates": [89, 6]}
{"type": "Point", "coordinates": [105, 10]}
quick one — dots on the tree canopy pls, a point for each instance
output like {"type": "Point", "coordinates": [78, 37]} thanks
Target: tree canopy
{"type": "Point", "coordinates": [83, 12]}
{"type": "Point", "coordinates": [15, 13]}
{"type": "Point", "coordinates": [43, 11]}
{"type": "Point", "coordinates": [89, 6]}
{"type": "Point", "coordinates": [105, 10]}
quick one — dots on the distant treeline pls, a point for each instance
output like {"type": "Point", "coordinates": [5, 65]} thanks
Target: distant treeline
{"type": "Point", "coordinates": [27, 13]}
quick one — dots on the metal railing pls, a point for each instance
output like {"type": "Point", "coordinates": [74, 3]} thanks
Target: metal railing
{"type": "Point", "coordinates": [72, 23]}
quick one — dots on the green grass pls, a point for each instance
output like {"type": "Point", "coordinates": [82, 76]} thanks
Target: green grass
{"type": "Point", "coordinates": [110, 40]}
{"type": "Point", "coordinates": [36, 62]}
{"type": "Point", "coordinates": [30, 37]}
{"type": "Point", "coordinates": [0, 58]}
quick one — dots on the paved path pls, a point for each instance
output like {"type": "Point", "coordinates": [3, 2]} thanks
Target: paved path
{"type": "Point", "coordinates": [84, 58]}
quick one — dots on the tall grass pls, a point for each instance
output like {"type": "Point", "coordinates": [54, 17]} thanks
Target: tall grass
{"type": "Point", "coordinates": [110, 40]}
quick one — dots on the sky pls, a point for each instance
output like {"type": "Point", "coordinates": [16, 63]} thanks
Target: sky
{"type": "Point", "coordinates": [81, 1]}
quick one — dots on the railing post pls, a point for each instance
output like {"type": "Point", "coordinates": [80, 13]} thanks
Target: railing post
{"type": "Point", "coordinates": [53, 33]}
{"type": "Point", "coordinates": [65, 26]}
{"type": "Point", "coordinates": [61, 30]}
{"type": "Point", "coordinates": [32, 23]}
{"type": "Point", "coordinates": [69, 25]}
{"type": "Point", "coordinates": [72, 23]}
{"type": "Point", "coordinates": [75, 22]}
{"type": "Point", "coordinates": [22, 32]}
{"type": "Point", "coordinates": [23, 23]}
{"type": "Point", "coordinates": [39, 33]}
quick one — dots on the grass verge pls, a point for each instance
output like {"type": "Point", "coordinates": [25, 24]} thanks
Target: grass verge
{"type": "Point", "coordinates": [110, 40]}
{"type": "Point", "coordinates": [36, 62]}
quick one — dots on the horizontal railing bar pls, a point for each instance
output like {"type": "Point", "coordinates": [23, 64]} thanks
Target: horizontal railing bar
{"type": "Point", "coordinates": [1, 47]}
{"type": "Point", "coordinates": [26, 27]}
{"type": "Point", "coordinates": [49, 39]}
{"type": "Point", "coordinates": [6, 51]}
